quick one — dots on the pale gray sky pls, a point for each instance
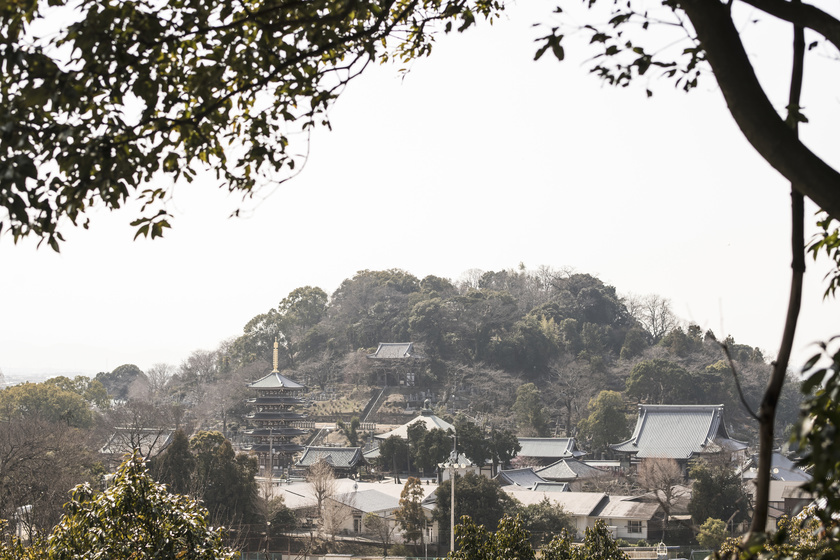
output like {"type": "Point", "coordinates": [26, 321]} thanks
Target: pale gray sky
{"type": "Point", "coordinates": [478, 158]}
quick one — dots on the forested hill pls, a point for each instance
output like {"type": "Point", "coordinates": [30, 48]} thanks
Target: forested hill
{"type": "Point", "coordinates": [569, 334]}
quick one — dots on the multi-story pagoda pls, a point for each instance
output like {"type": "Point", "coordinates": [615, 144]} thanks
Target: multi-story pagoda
{"type": "Point", "coordinates": [273, 419]}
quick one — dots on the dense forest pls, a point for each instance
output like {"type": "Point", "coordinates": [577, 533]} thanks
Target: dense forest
{"type": "Point", "coordinates": [569, 334]}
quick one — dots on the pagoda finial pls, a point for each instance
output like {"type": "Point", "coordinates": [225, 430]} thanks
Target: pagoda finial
{"type": "Point", "coordinates": [276, 356]}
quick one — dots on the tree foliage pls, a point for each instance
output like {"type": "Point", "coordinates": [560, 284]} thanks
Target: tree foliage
{"type": "Point", "coordinates": [607, 421]}
{"type": "Point", "coordinates": [411, 516]}
{"type": "Point", "coordinates": [135, 519]}
{"type": "Point", "coordinates": [717, 492]}
{"type": "Point", "coordinates": [512, 540]}
{"type": "Point", "coordinates": [481, 498]}
{"type": "Point", "coordinates": [48, 401]}
{"type": "Point", "coordinates": [530, 412]}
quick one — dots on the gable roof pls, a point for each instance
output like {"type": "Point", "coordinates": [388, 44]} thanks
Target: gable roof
{"type": "Point", "coordinates": [678, 432]}
{"type": "Point", "coordinates": [624, 507]}
{"type": "Point", "coordinates": [575, 503]}
{"type": "Point", "coordinates": [275, 381]}
{"type": "Point", "coordinates": [549, 448]}
{"type": "Point", "coordinates": [337, 457]}
{"type": "Point", "coordinates": [526, 477]}
{"type": "Point", "coordinates": [368, 501]}
{"type": "Point", "coordinates": [393, 351]}
{"type": "Point", "coordinates": [149, 441]}
{"type": "Point", "coordinates": [567, 470]}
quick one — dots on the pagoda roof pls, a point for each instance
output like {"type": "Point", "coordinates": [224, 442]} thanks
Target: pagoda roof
{"type": "Point", "coordinates": [279, 431]}
{"type": "Point", "coordinates": [275, 415]}
{"type": "Point", "coordinates": [275, 381]}
{"type": "Point", "coordinates": [678, 432]}
{"type": "Point", "coordinates": [275, 400]}
{"type": "Point", "coordinates": [275, 447]}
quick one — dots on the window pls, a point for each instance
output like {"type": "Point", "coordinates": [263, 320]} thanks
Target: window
{"type": "Point", "coordinates": [634, 526]}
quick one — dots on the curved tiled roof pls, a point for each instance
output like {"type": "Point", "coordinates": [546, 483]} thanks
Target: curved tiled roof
{"type": "Point", "coordinates": [393, 351]}
{"type": "Point", "coordinates": [567, 470]}
{"type": "Point", "coordinates": [275, 381]}
{"type": "Point", "coordinates": [521, 477]}
{"type": "Point", "coordinates": [549, 448]}
{"type": "Point", "coordinates": [338, 457]}
{"type": "Point", "coordinates": [678, 432]}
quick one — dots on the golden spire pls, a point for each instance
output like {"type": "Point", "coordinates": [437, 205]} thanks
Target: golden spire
{"type": "Point", "coordinates": [276, 355]}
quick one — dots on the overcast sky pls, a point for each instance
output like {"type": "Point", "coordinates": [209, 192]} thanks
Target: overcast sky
{"type": "Point", "coordinates": [478, 158]}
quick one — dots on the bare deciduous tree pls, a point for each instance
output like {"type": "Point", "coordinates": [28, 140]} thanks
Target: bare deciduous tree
{"type": "Point", "coordinates": [382, 529]}
{"type": "Point", "coordinates": [653, 312]}
{"type": "Point", "coordinates": [322, 478]}
{"type": "Point", "coordinates": [661, 476]}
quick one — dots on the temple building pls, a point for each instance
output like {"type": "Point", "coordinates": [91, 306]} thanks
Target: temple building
{"type": "Point", "coordinates": [273, 419]}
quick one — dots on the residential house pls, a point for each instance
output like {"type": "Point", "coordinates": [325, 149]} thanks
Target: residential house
{"type": "Point", "coordinates": [628, 519]}
{"type": "Point", "coordinates": [346, 512]}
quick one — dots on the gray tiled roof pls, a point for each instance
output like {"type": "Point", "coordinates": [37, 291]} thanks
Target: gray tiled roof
{"type": "Point", "coordinates": [678, 432]}
{"type": "Point", "coordinates": [368, 501]}
{"type": "Point", "coordinates": [781, 468]}
{"type": "Point", "coordinates": [551, 487]}
{"type": "Point", "coordinates": [393, 351]}
{"type": "Point", "coordinates": [149, 441]}
{"type": "Point", "coordinates": [621, 507]}
{"type": "Point", "coordinates": [568, 470]}
{"type": "Point", "coordinates": [338, 457]}
{"type": "Point", "coordinates": [552, 448]}
{"type": "Point", "coordinates": [520, 477]}
{"type": "Point", "coordinates": [275, 381]}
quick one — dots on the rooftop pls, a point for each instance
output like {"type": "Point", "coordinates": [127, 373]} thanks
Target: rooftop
{"type": "Point", "coordinates": [393, 351]}
{"type": "Point", "coordinates": [275, 380]}
{"type": "Point", "coordinates": [678, 432]}
{"type": "Point", "coordinates": [549, 448]}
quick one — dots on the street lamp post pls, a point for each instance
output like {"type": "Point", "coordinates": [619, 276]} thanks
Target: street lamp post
{"type": "Point", "coordinates": [452, 463]}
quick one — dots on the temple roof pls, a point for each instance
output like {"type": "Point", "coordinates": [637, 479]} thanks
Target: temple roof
{"type": "Point", "coordinates": [678, 432]}
{"type": "Point", "coordinates": [568, 470]}
{"type": "Point", "coordinates": [275, 381]}
{"type": "Point", "coordinates": [337, 457]}
{"type": "Point", "coordinates": [549, 448]}
{"type": "Point", "coordinates": [521, 477]}
{"type": "Point", "coordinates": [393, 351]}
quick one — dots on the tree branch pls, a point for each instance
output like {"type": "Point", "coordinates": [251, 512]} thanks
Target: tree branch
{"type": "Point", "coordinates": [767, 409]}
{"type": "Point", "coordinates": [752, 110]}
{"type": "Point", "coordinates": [804, 15]}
